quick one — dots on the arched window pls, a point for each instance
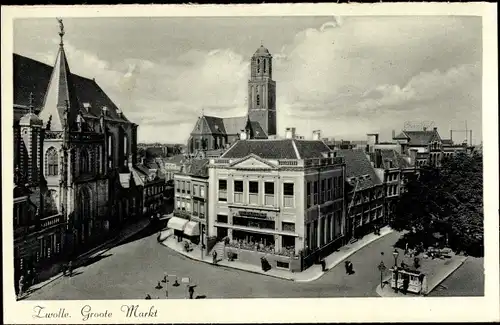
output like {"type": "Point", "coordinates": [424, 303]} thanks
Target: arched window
{"type": "Point", "coordinates": [84, 161]}
{"type": "Point", "coordinates": [52, 162]}
{"type": "Point", "coordinates": [264, 62]}
{"type": "Point", "coordinates": [258, 65]}
{"type": "Point", "coordinates": [258, 100]}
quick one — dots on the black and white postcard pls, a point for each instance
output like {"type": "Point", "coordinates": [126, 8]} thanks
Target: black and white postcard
{"type": "Point", "coordinates": [175, 164]}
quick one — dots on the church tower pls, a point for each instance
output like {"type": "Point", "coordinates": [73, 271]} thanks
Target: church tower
{"type": "Point", "coordinates": [262, 91]}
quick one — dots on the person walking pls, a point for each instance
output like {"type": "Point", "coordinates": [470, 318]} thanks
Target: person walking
{"type": "Point", "coordinates": [351, 268]}
{"type": "Point", "coordinates": [191, 292]}
{"type": "Point", "coordinates": [21, 285]}
{"type": "Point", "coordinates": [346, 265]}
{"type": "Point", "coordinates": [70, 268]}
{"type": "Point", "coordinates": [214, 257]}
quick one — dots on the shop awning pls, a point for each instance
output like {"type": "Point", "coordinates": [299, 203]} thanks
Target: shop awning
{"type": "Point", "coordinates": [192, 229]}
{"type": "Point", "coordinates": [177, 223]}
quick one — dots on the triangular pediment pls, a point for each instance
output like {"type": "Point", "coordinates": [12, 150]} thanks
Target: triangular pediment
{"type": "Point", "coordinates": [253, 162]}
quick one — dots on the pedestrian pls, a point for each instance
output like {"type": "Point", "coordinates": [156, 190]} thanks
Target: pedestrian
{"type": "Point", "coordinates": [191, 292]}
{"type": "Point", "coordinates": [406, 284]}
{"type": "Point", "coordinates": [214, 257]}
{"type": "Point", "coordinates": [346, 264]}
{"type": "Point", "coordinates": [158, 286]}
{"type": "Point", "coordinates": [70, 268]}
{"type": "Point", "coordinates": [323, 265]}
{"type": "Point", "coordinates": [21, 285]}
{"type": "Point", "coordinates": [148, 297]}
{"type": "Point", "coordinates": [351, 268]}
{"type": "Point", "coordinates": [64, 268]}
{"type": "Point", "coordinates": [34, 275]}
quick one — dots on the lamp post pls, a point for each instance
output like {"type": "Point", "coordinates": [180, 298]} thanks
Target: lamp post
{"type": "Point", "coordinates": [396, 254]}
{"type": "Point", "coordinates": [381, 268]}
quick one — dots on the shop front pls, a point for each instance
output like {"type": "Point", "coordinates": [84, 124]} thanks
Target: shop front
{"type": "Point", "coordinates": [177, 225]}
{"type": "Point", "coordinates": [192, 232]}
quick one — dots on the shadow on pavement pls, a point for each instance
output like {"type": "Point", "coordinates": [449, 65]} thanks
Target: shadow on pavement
{"type": "Point", "coordinates": [146, 232]}
{"type": "Point", "coordinates": [92, 260]}
{"type": "Point", "coordinates": [200, 297]}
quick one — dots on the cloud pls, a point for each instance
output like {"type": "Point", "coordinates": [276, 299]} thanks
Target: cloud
{"type": "Point", "coordinates": [347, 76]}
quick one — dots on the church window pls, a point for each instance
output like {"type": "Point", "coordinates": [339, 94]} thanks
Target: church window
{"type": "Point", "coordinates": [52, 162]}
{"type": "Point", "coordinates": [258, 65]}
{"type": "Point", "coordinates": [84, 161]}
{"type": "Point", "coordinates": [264, 66]}
{"type": "Point", "coordinates": [258, 100]}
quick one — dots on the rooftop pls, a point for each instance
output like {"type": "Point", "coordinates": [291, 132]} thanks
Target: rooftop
{"type": "Point", "coordinates": [359, 168]}
{"type": "Point", "coordinates": [278, 149]}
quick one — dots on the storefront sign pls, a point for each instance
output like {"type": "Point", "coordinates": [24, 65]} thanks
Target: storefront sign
{"type": "Point", "coordinates": [251, 214]}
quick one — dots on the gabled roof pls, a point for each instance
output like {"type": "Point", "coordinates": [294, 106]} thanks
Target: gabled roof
{"type": "Point", "coordinates": [278, 149]}
{"type": "Point", "coordinates": [257, 130]}
{"type": "Point", "coordinates": [196, 167]}
{"type": "Point", "coordinates": [215, 124]}
{"type": "Point", "coordinates": [392, 159]}
{"type": "Point", "coordinates": [357, 166]}
{"type": "Point", "coordinates": [419, 138]}
{"type": "Point", "coordinates": [34, 76]}
{"type": "Point", "coordinates": [234, 125]}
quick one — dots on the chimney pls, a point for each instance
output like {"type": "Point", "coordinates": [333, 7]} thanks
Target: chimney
{"type": "Point", "coordinates": [393, 134]}
{"type": "Point", "coordinates": [243, 135]}
{"type": "Point", "coordinates": [316, 135]}
{"type": "Point", "coordinates": [372, 140]}
{"type": "Point", "coordinates": [435, 129]}
{"type": "Point", "coordinates": [413, 156]}
{"type": "Point", "coordinates": [290, 133]}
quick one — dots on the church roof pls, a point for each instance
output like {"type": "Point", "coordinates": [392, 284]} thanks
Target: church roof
{"type": "Point", "coordinates": [234, 125]}
{"type": "Point", "coordinates": [215, 124]}
{"type": "Point", "coordinates": [258, 131]}
{"type": "Point", "coordinates": [278, 149]}
{"type": "Point", "coordinates": [34, 76]}
{"type": "Point", "coordinates": [60, 95]}
{"type": "Point", "coordinates": [262, 51]}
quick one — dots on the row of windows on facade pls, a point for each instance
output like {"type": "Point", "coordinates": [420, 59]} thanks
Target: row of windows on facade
{"type": "Point", "coordinates": [368, 216]}
{"type": "Point", "coordinates": [263, 64]}
{"type": "Point", "coordinates": [49, 247]}
{"type": "Point", "coordinates": [366, 209]}
{"type": "Point", "coordinates": [323, 230]}
{"type": "Point", "coordinates": [366, 196]}
{"type": "Point", "coordinates": [253, 191]}
{"type": "Point", "coordinates": [331, 189]}
{"type": "Point", "coordinates": [185, 187]}
{"type": "Point", "coordinates": [185, 205]}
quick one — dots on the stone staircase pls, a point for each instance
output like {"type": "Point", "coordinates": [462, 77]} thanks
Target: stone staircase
{"type": "Point", "coordinates": [220, 248]}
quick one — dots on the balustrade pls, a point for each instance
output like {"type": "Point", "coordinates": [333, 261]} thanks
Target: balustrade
{"type": "Point", "coordinates": [51, 221]}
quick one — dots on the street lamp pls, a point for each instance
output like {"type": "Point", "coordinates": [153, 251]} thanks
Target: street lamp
{"type": "Point", "coordinates": [396, 254]}
{"type": "Point", "coordinates": [381, 268]}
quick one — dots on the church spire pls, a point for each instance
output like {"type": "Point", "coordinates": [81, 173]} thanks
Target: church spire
{"type": "Point", "coordinates": [61, 92]}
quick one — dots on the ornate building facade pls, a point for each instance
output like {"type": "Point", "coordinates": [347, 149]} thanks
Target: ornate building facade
{"type": "Point", "coordinates": [71, 144]}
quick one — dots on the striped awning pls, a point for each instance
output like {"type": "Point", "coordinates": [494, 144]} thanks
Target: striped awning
{"type": "Point", "coordinates": [192, 228]}
{"type": "Point", "coordinates": [177, 223]}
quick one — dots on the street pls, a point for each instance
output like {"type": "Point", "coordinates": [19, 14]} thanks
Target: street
{"type": "Point", "coordinates": [133, 269]}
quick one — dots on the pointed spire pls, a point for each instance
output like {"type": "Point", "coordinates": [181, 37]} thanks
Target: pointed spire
{"type": "Point", "coordinates": [61, 92]}
{"type": "Point", "coordinates": [31, 103]}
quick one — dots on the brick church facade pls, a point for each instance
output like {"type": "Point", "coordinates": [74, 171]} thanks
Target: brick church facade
{"type": "Point", "coordinates": [74, 150]}
{"type": "Point", "coordinates": [213, 133]}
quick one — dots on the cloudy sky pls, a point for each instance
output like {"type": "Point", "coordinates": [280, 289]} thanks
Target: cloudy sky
{"type": "Point", "coordinates": [347, 76]}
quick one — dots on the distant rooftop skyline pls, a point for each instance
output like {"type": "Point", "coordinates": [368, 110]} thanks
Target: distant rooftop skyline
{"type": "Point", "coordinates": [346, 76]}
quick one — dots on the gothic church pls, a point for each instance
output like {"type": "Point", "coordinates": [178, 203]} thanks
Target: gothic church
{"type": "Point", "coordinates": [212, 133]}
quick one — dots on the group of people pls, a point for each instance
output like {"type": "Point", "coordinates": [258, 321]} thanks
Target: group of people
{"type": "Point", "coordinates": [175, 284]}
{"type": "Point", "coordinates": [27, 280]}
{"type": "Point", "coordinates": [68, 269]}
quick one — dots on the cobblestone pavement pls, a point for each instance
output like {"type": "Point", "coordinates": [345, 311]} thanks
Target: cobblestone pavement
{"type": "Point", "coordinates": [133, 269]}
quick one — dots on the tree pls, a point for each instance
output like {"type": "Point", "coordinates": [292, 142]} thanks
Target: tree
{"type": "Point", "coordinates": [446, 204]}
